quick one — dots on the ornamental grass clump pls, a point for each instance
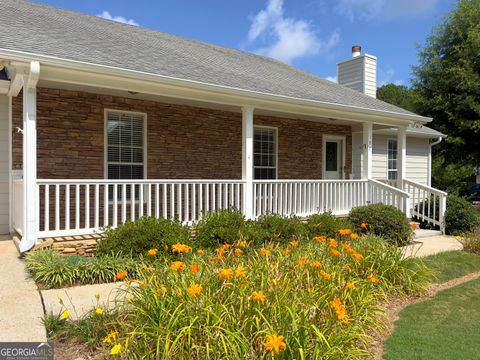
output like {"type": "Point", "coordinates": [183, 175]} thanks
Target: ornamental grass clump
{"type": "Point", "coordinates": [288, 300]}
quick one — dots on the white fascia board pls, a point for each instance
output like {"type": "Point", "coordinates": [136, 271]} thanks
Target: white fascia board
{"type": "Point", "coordinates": [410, 133]}
{"type": "Point", "coordinates": [119, 74]}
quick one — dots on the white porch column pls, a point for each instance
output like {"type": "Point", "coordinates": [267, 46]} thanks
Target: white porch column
{"type": "Point", "coordinates": [401, 156]}
{"type": "Point", "coordinates": [367, 150]}
{"type": "Point", "coordinates": [247, 159]}
{"type": "Point", "coordinates": [30, 197]}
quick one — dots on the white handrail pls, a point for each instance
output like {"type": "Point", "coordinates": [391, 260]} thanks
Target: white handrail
{"type": "Point", "coordinates": [425, 200]}
{"type": "Point", "coordinates": [389, 195]}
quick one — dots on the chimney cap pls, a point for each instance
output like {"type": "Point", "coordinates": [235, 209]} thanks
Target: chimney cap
{"type": "Point", "coordinates": [356, 50]}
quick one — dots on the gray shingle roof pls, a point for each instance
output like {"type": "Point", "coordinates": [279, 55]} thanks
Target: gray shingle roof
{"type": "Point", "coordinates": [44, 30]}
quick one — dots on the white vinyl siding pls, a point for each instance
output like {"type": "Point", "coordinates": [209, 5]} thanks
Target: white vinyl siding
{"type": "Point", "coordinates": [125, 145]}
{"type": "Point", "coordinates": [417, 160]}
{"type": "Point", "coordinates": [357, 150]}
{"type": "Point", "coordinates": [4, 164]}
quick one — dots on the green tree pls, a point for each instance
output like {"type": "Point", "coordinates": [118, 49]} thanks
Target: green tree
{"type": "Point", "coordinates": [447, 88]}
{"type": "Point", "coordinates": [398, 95]}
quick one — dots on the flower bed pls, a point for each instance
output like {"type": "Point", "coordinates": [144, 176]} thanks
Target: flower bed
{"type": "Point", "coordinates": [312, 299]}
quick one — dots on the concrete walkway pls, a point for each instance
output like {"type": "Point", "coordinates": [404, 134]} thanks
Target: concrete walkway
{"type": "Point", "coordinates": [81, 299]}
{"type": "Point", "coordinates": [21, 309]}
{"type": "Point", "coordinates": [426, 246]}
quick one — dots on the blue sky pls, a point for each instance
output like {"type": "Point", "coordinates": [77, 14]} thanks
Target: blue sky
{"type": "Point", "coordinates": [310, 34]}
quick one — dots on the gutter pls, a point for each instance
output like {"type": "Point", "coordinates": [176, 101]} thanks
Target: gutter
{"type": "Point", "coordinates": [429, 170]}
{"type": "Point", "coordinates": [134, 74]}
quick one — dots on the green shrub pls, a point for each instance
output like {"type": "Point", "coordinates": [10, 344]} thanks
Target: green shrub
{"type": "Point", "coordinates": [326, 224]}
{"type": "Point", "coordinates": [137, 237]}
{"type": "Point", "coordinates": [383, 220]}
{"type": "Point", "coordinates": [275, 228]}
{"type": "Point", "coordinates": [471, 242]}
{"type": "Point", "coordinates": [220, 227]}
{"type": "Point", "coordinates": [460, 216]}
{"type": "Point", "coordinates": [50, 269]}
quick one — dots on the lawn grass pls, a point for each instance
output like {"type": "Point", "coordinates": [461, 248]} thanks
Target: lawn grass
{"type": "Point", "coordinates": [452, 264]}
{"type": "Point", "coordinates": [445, 327]}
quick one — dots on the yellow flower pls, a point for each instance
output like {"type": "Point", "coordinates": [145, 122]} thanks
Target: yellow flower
{"type": "Point", "coordinates": [110, 337]}
{"type": "Point", "coordinates": [286, 252]}
{"type": "Point", "coordinates": [238, 251]}
{"type": "Point", "coordinates": [258, 296]}
{"type": "Point", "coordinates": [264, 251]}
{"type": "Point", "coordinates": [316, 264]}
{"type": "Point", "coordinates": [240, 271]}
{"type": "Point", "coordinates": [336, 252]}
{"type": "Point", "coordinates": [152, 252]}
{"type": "Point", "coordinates": [242, 243]}
{"type": "Point", "coordinates": [350, 285]}
{"type": "Point", "coordinates": [293, 243]}
{"type": "Point", "coordinates": [319, 238]}
{"type": "Point", "coordinates": [117, 349]}
{"type": "Point", "coordinates": [121, 275]}
{"type": "Point", "coordinates": [226, 273]}
{"type": "Point", "coordinates": [275, 343]}
{"type": "Point", "coordinates": [97, 296]}
{"type": "Point", "coordinates": [194, 290]}
{"type": "Point", "coordinates": [181, 248]}
{"type": "Point", "coordinates": [364, 225]}
{"type": "Point", "coordinates": [332, 243]}
{"type": "Point", "coordinates": [126, 343]}
{"type": "Point", "coordinates": [372, 279]}
{"type": "Point", "coordinates": [194, 269]}
{"type": "Point", "coordinates": [200, 251]}
{"type": "Point", "coordinates": [301, 262]}
{"type": "Point", "coordinates": [345, 232]}
{"type": "Point", "coordinates": [165, 248]}
{"type": "Point", "coordinates": [99, 311]}
{"type": "Point", "coordinates": [325, 275]}
{"type": "Point", "coordinates": [354, 236]}
{"type": "Point", "coordinates": [177, 265]}
{"type": "Point", "coordinates": [65, 314]}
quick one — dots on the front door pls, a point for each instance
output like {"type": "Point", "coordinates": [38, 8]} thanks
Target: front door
{"type": "Point", "coordinates": [333, 159]}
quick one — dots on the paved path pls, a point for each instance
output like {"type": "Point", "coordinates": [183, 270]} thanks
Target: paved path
{"type": "Point", "coordinates": [81, 299]}
{"type": "Point", "coordinates": [432, 245]}
{"type": "Point", "coordinates": [21, 309]}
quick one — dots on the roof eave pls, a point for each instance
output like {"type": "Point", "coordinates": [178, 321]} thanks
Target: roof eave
{"type": "Point", "coordinates": [127, 73]}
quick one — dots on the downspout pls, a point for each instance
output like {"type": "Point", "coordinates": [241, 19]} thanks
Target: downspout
{"type": "Point", "coordinates": [429, 171]}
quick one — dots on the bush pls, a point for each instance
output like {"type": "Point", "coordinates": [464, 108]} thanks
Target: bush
{"type": "Point", "coordinates": [471, 242]}
{"type": "Point", "coordinates": [137, 237]}
{"type": "Point", "coordinates": [383, 220]}
{"type": "Point", "coordinates": [275, 228]}
{"type": "Point", "coordinates": [221, 227]}
{"type": "Point", "coordinates": [50, 269]}
{"type": "Point", "coordinates": [326, 224]}
{"type": "Point", "coordinates": [460, 216]}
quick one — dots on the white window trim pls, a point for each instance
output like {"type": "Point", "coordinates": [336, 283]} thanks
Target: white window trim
{"type": "Point", "coordinates": [105, 139]}
{"type": "Point", "coordinates": [275, 129]}
{"type": "Point", "coordinates": [327, 137]}
{"type": "Point", "coordinates": [388, 170]}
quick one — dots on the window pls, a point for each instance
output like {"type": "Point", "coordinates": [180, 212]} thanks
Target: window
{"type": "Point", "coordinates": [125, 134]}
{"type": "Point", "coordinates": [264, 153]}
{"type": "Point", "coordinates": [392, 160]}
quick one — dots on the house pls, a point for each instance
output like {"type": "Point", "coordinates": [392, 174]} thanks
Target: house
{"type": "Point", "coordinates": [101, 122]}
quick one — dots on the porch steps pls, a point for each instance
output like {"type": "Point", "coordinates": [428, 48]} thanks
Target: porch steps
{"type": "Point", "coordinates": [423, 233]}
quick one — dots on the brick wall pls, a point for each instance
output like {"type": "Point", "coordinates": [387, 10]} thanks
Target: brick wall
{"type": "Point", "coordinates": [182, 141]}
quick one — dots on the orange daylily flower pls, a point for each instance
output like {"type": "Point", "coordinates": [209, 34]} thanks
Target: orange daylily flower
{"type": "Point", "coordinates": [345, 232]}
{"type": "Point", "coordinates": [332, 243]}
{"type": "Point", "coordinates": [319, 238]}
{"type": "Point", "coordinates": [226, 273]}
{"type": "Point", "coordinates": [194, 290]}
{"type": "Point", "coordinates": [194, 268]}
{"type": "Point", "coordinates": [275, 343]}
{"type": "Point", "coordinates": [258, 296]}
{"type": "Point", "coordinates": [177, 265]}
{"type": "Point", "coordinates": [121, 275]}
{"type": "Point", "coordinates": [152, 252]}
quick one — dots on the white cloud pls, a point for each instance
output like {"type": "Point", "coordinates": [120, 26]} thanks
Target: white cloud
{"type": "Point", "coordinates": [106, 15]}
{"type": "Point", "coordinates": [332, 79]}
{"type": "Point", "coordinates": [285, 38]}
{"type": "Point", "coordinates": [386, 9]}
{"type": "Point", "coordinates": [386, 77]}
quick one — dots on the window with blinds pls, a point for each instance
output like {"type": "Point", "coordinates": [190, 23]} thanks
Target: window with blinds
{"type": "Point", "coordinates": [125, 134]}
{"type": "Point", "coordinates": [264, 153]}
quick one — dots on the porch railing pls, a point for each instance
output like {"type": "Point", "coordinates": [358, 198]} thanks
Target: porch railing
{"type": "Point", "coordinates": [74, 207]}
{"type": "Point", "coordinates": [17, 204]}
{"type": "Point", "coordinates": [428, 204]}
